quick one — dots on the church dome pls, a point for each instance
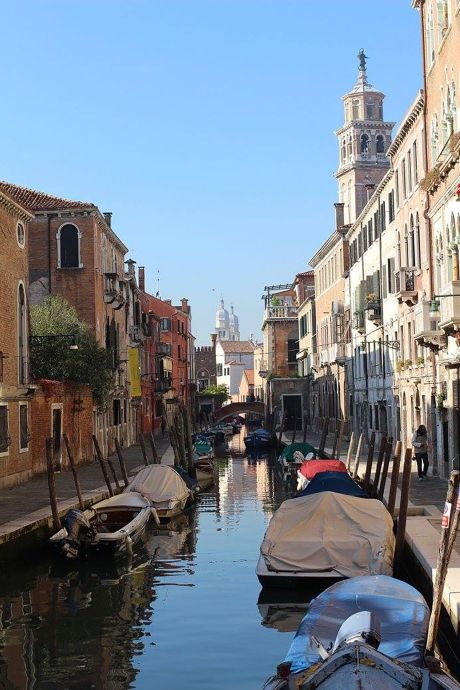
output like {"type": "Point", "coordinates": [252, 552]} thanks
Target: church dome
{"type": "Point", "coordinates": [222, 317]}
{"type": "Point", "coordinates": [233, 318]}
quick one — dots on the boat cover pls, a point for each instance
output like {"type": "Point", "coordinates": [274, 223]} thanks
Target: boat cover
{"type": "Point", "coordinates": [161, 484]}
{"type": "Point", "coordinates": [305, 448]}
{"type": "Point", "coordinates": [401, 610]}
{"type": "Point", "coordinates": [130, 501]}
{"type": "Point", "coordinates": [330, 532]}
{"type": "Point", "coordinates": [310, 468]}
{"type": "Point", "coordinates": [339, 482]}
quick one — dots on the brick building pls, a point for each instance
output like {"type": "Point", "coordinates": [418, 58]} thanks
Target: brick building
{"type": "Point", "coordinates": [74, 253]}
{"type": "Point", "coordinates": [15, 389]}
{"type": "Point", "coordinates": [205, 364]}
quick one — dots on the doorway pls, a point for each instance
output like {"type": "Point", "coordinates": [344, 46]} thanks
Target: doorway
{"type": "Point", "coordinates": [56, 433]}
{"type": "Point", "coordinates": [292, 412]}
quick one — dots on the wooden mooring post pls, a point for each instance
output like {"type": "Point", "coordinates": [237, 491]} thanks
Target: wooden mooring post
{"type": "Point", "coordinates": [52, 484]}
{"type": "Point", "coordinates": [74, 471]}
{"type": "Point", "coordinates": [283, 419]}
{"type": "Point", "coordinates": [121, 460]}
{"type": "Point", "coordinates": [143, 450]}
{"type": "Point", "coordinates": [351, 447]}
{"type": "Point", "coordinates": [305, 429]}
{"type": "Point", "coordinates": [186, 424]}
{"type": "Point", "coordinates": [447, 537]}
{"type": "Point", "coordinates": [385, 466]}
{"type": "Point", "coordinates": [394, 478]}
{"type": "Point", "coordinates": [358, 456]}
{"type": "Point", "coordinates": [100, 457]}
{"type": "Point", "coordinates": [403, 503]}
{"type": "Point", "coordinates": [155, 456]}
{"type": "Point", "coordinates": [338, 445]}
{"type": "Point", "coordinates": [369, 461]}
{"type": "Point", "coordinates": [378, 467]}
{"type": "Point", "coordinates": [323, 438]}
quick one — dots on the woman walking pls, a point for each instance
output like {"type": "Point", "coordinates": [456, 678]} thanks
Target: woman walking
{"type": "Point", "coordinates": [420, 443]}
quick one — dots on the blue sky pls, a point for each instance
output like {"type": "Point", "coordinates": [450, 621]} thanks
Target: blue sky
{"type": "Point", "coordinates": [205, 126]}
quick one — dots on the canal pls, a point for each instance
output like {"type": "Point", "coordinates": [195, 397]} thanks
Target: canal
{"type": "Point", "coordinates": [184, 614]}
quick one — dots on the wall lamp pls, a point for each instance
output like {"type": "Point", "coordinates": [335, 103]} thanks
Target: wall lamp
{"type": "Point", "coordinates": [434, 305]}
{"type": "Point", "coordinates": [393, 344]}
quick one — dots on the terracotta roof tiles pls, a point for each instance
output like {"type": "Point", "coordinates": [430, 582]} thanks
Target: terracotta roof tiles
{"type": "Point", "coordinates": [40, 201]}
{"type": "Point", "coordinates": [236, 346]}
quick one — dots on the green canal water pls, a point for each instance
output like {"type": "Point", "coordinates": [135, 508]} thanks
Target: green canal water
{"type": "Point", "coordinates": [184, 614]}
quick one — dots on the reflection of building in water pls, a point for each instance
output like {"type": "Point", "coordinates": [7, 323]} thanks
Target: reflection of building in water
{"type": "Point", "coordinates": [74, 633]}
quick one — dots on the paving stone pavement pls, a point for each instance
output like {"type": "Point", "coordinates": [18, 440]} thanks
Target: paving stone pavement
{"type": "Point", "coordinates": [24, 504]}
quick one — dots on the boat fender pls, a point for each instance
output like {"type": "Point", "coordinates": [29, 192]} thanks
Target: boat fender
{"type": "Point", "coordinates": [129, 545]}
{"type": "Point", "coordinates": [155, 516]}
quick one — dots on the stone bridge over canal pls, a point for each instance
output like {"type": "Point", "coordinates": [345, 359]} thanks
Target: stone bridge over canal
{"type": "Point", "coordinates": [236, 408]}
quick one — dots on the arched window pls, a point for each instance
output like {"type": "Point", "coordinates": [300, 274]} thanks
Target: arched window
{"type": "Point", "coordinates": [430, 37]}
{"type": "Point", "coordinates": [343, 150]}
{"type": "Point", "coordinates": [406, 245]}
{"type": "Point", "coordinates": [68, 239]}
{"type": "Point", "coordinates": [418, 253]}
{"type": "Point", "coordinates": [398, 248]}
{"type": "Point", "coordinates": [355, 109]}
{"type": "Point", "coordinates": [380, 144]}
{"type": "Point", "coordinates": [411, 242]}
{"type": "Point", "coordinates": [443, 18]}
{"type": "Point", "coordinates": [448, 254]}
{"type": "Point", "coordinates": [364, 143]}
{"type": "Point", "coordinates": [350, 146]}
{"type": "Point", "coordinates": [22, 335]}
{"type": "Point", "coordinates": [434, 138]}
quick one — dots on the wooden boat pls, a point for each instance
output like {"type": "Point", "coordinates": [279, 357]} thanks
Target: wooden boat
{"type": "Point", "coordinates": [163, 487]}
{"type": "Point", "coordinates": [367, 632]}
{"type": "Point", "coordinates": [326, 533]}
{"type": "Point", "coordinates": [111, 527]}
{"type": "Point", "coordinates": [260, 439]}
{"type": "Point", "coordinates": [289, 461]}
{"type": "Point", "coordinates": [204, 468]}
{"type": "Point", "coordinates": [203, 449]}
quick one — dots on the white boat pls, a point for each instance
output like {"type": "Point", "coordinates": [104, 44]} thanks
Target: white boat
{"type": "Point", "coordinates": [163, 487]}
{"type": "Point", "coordinates": [326, 535]}
{"type": "Point", "coordinates": [366, 632]}
{"type": "Point", "coordinates": [113, 527]}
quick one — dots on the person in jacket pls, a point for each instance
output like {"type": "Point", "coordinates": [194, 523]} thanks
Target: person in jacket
{"type": "Point", "coordinates": [420, 444]}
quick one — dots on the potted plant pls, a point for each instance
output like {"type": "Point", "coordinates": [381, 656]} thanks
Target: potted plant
{"type": "Point", "coordinates": [399, 365]}
{"type": "Point", "coordinates": [420, 361]}
{"type": "Point", "coordinates": [407, 363]}
{"type": "Point", "coordinates": [440, 398]}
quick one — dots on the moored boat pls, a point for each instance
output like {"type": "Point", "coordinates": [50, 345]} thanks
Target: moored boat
{"type": "Point", "coordinates": [326, 535]}
{"type": "Point", "coordinates": [112, 527]}
{"type": "Point", "coordinates": [366, 632]}
{"type": "Point", "coordinates": [289, 457]}
{"type": "Point", "coordinates": [163, 487]}
{"type": "Point", "coordinates": [260, 439]}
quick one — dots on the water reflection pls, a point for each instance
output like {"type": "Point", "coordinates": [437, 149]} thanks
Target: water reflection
{"type": "Point", "coordinates": [182, 613]}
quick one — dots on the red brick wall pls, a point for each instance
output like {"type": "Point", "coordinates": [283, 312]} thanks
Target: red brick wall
{"type": "Point", "coordinates": [77, 414]}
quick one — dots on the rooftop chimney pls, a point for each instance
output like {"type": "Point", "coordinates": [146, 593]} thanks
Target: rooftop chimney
{"type": "Point", "coordinates": [108, 218]}
{"type": "Point", "coordinates": [167, 301]}
{"type": "Point", "coordinates": [339, 215]}
{"type": "Point", "coordinates": [141, 278]}
{"type": "Point", "coordinates": [184, 303]}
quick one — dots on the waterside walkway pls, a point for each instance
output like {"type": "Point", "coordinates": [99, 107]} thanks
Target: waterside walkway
{"type": "Point", "coordinates": [26, 507]}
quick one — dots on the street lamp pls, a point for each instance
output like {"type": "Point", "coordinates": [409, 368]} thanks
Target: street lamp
{"type": "Point", "coordinates": [434, 312]}
{"type": "Point", "coordinates": [393, 344]}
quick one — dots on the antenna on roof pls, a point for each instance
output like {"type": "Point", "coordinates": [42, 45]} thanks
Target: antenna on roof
{"type": "Point", "coordinates": [158, 283]}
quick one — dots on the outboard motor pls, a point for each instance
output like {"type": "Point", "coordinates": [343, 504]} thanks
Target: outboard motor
{"type": "Point", "coordinates": [77, 526]}
{"type": "Point", "coordinates": [363, 626]}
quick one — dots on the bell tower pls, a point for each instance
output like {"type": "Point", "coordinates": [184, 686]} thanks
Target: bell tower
{"type": "Point", "coordinates": [363, 140]}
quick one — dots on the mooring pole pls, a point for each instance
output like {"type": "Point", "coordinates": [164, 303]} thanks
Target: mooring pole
{"type": "Point", "coordinates": [52, 484]}
{"type": "Point", "coordinates": [442, 564]}
{"type": "Point", "coordinates": [358, 456]}
{"type": "Point", "coordinates": [102, 464]}
{"type": "Point", "coordinates": [156, 458]}
{"type": "Point", "coordinates": [144, 450]}
{"type": "Point", "coordinates": [322, 442]}
{"type": "Point", "coordinates": [370, 460]}
{"type": "Point", "coordinates": [394, 478]}
{"type": "Point", "coordinates": [386, 464]}
{"type": "Point", "coordinates": [74, 471]}
{"type": "Point", "coordinates": [378, 467]}
{"type": "Point", "coordinates": [403, 503]}
{"type": "Point", "coordinates": [121, 460]}
{"type": "Point", "coordinates": [350, 450]}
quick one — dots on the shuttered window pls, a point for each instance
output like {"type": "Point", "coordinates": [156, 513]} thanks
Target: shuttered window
{"type": "Point", "coordinates": [4, 432]}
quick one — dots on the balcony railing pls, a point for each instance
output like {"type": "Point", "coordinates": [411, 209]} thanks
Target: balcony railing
{"type": "Point", "coordinates": [281, 312]}
{"type": "Point", "coordinates": [426, 332]}
{"type": "Point", "coordinates": [136, 334]}
{"type": "Point", "coordinates": [449, 306]}
{"type": "Point", "coordinates": [406, 290]}
{"type": "Point", "coordinates": [163, 349]}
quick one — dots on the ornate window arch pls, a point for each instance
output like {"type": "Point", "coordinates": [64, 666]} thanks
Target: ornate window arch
{"type": "Point", "coordinates": [68, 246]}
{"type": "Point", "coordinates": [364, 143]}
{"type": "Point", "coordinates": [349, 146]}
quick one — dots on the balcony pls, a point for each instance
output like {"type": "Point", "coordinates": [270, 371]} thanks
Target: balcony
{"type": "Point", "coordinates": [374, 311]}
{"type": "Point", "coordinates": [281, 312]}
{"type": "Point", "coordinates": [136, 334]}
{"type": "Point", "coordinates": [163, 349]}
{"type": "Point", "coordinates": [449, 307]}
{"type": "Point", "coordinates": [162, 385]}
{"type": "Point", "coordinates": [426, 333]}
{"type": "Point", "coordinates": [113, 290]}
{"type": "Point", "coordinates": [405, 285]}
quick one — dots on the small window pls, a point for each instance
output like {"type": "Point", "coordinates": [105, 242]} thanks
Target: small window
{"type": "Point", "coordinates": [380, 144]}
{"type": "Point", "coordinates": [5, 439]}
{"type": "Point", "coordinates": [23, 428]}
{"type": "Point", "coordinates": [116, 412]}
{"type": "Point", "coordinates": [21, 235]}
{"type": "Point", "coordinates": [165, 324]}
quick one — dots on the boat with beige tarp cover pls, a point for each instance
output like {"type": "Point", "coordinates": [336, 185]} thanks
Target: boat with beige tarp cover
{"type": "Point", "coordinates": [326, 534]}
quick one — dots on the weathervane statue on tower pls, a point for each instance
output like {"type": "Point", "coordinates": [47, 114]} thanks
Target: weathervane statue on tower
{"type": "Point", "coordinates": [362, 60]}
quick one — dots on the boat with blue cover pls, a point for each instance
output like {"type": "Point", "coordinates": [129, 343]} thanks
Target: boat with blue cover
{"type": "Point", "coordinates": [366, 632]}
{"type": "Point", "coordinates": [260, 439]}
